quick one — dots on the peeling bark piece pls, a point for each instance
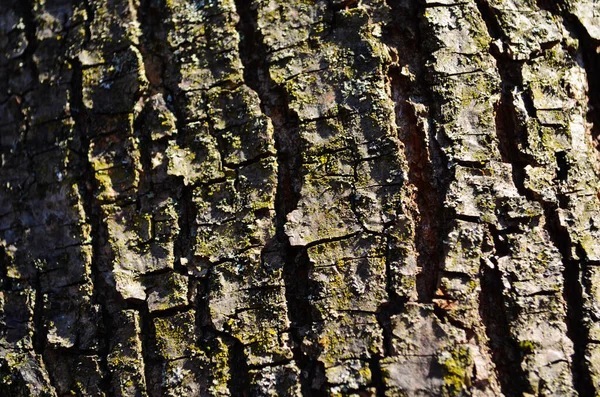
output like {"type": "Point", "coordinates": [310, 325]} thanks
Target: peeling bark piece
{"type": "Point", "coordinates": [254, 314]}
{"type": "Point", "coordinates": [205, 42]}
{"type": "Point", "coordinates": [527, 27]}
{"type": "Point", "coordinates": [116, 162]}
{"type": "Point", "coordinates": [139, 244]}
{"type": "Point", "coordinates": [122, 73]}
{"type": "Point", "coordinates": [282, 380]}
{"type": "Point", "coordinates": [324, 213]}
{"type": "Point", "coordinates": [464, 78]}
{"type": "Point", "coordinates": [185, 376]}
{"type": "Point", "coordinates": [199, 161]}
{"type": "Point", "coordinates": [234, 217]}
{"type": "Point", "coordinates": [70, 318]}
{"type": "Point", "coordinates": [85, 379]}
{"type": "Point", "coordinates": [24, 374]}
{"type": "Point", "coordinates": [16, 318]}
{"type": "Point", "coordinates": [176, 336]}
{"type": "Point", "coordinates": [125, 359]}
{"type": "Point", "coordinates": [432, 357]}
{"type": "Point", "coordinates": [346, 346]}
{"type": "Point", "coordinates": [465, 246]}
{"type": "Point", "coordinates": [158, 121]}
{"type": "Point", "coordinates": [348, 275]}
{"type": "Point", "coordinates": [588, 13]}
{"type": "Point", "coordinates": [281, 33]}
{"type": "Point", "coordinates": [115, 24]}
{"type": "Point", "coordinates": [167, 292]}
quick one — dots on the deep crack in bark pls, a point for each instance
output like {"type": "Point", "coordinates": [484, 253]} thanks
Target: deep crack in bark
{"type": "Point", "coordinates": [286, 125]}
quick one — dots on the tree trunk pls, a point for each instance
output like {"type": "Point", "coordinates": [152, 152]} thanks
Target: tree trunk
{"type": "Point", "coordinates": [299, 198]}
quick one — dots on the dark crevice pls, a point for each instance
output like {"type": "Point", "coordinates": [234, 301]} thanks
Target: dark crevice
{"type": "Point", "coordinates": [468, 218]}
{"type": "Point", "coordinates": [274, 104]}
{"type": "Point", "coordinates": [442, 314]}
{"type": "Point", "coordinates": [377, 376]}
{"type": "Point", "coordinates": [165, 313]}
{"type": "Point", "coordinates": [152, 22]}
{"type": "Point", "coordinates": [145, 149]}
{"type": "Point", "coordinates": [25, 9]}
{"type": "Point", "coordinates": [562, 166]}
{"type": "Point", "coordinates": [509, 137]}
{"type": "Point", "coordinates": [5, 281]}
{"type": "Point", "coordinates": [40, 331]}
{"type": "Point", "coordinates": [511, 132]}
{"type": "Point", "coordinates": [338, 5]}
{"type": "Point", "coordinates": [239, 383]}
{"type": "Point", "coordinates": [201, 302]}
{"type": "Point", "coordinates": [94, 219]}
{"type": "Point", "coordinates": [146, 335]}
{"type": "Point", "coordinates": [427, 165]}
{"type": "Point", "coordinates": [385, 312]}
{"type": "Point", "coordinates": [155, 55]}
{"type": "Point", "coordinates": [430, 203]}
{"type": "Point", "coordinates": [298, 290]}
{"type": "Point", "coordinates": [577, 329]}
{"type": "Point", "coordinates": [241, 164]}
{"type": "Point", "coordinates": [239, 380]}
{"type": "Point", "coordinates": [478, 165]}
{"type": "Point", "coordinates": [506, 354]}
{"type": "Point", "coordinates": [184, 243]}
{"type": "Point", "coordinates": [491, 22]}
{"type": "Point", "coordinates": [332, 239]}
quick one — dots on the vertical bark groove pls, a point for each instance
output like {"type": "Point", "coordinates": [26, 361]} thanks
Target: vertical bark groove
{"type": "Point", "coordinates": [274, 104]}
{"type": "Point", "coordinates": [92, 212]}
{"type": "Point", "coordinates": [505, 351]}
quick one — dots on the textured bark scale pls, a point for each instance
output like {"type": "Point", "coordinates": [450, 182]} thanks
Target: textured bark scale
{"type": "Point", "coordinates": [299, 198]}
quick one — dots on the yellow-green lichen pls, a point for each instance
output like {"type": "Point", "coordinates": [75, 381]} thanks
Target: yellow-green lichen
{"type": "Point", "coordinates": [457, 366]}
{"type": "Point", "coordinates": [527, 346]}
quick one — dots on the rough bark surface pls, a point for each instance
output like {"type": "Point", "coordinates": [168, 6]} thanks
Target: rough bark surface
{"type": "Point", "coordinates": [299, 198]}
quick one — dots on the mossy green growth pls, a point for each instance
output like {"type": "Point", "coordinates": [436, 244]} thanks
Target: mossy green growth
{"type": "Point", "coordinates": [176, 336]}
{"type": "Point", "coordinates": [527, 346]}
{"type": "Point", "coordinates": [457, 366]}
{"type": "Point", "coordinates": [220, 374]}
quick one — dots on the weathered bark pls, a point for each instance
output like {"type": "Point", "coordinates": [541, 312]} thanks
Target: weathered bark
{"type": "Point", "coordinates": [299, 198]}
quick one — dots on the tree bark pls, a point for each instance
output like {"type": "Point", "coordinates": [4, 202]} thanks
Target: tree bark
{"type": "Point", "coordinates": [299, 198]}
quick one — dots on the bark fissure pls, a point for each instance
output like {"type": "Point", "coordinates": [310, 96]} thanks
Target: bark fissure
{"type": "Point", "coordinates": [429, 199]}
{"type": "Point", "coordinates": [509, 134]}
{"type": "Point", "coordinates": [93, 214]}
{"type": "Point", "coordinates": [492, 309]}
{"type": "Point", "coordinates": [577, 326]}
{"type": "Point", "coordinates": [428, 170]}
{"type": "Point", "coordinates": [25, 8]}
{"type": "Point", "coordinates": [286, 124]}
